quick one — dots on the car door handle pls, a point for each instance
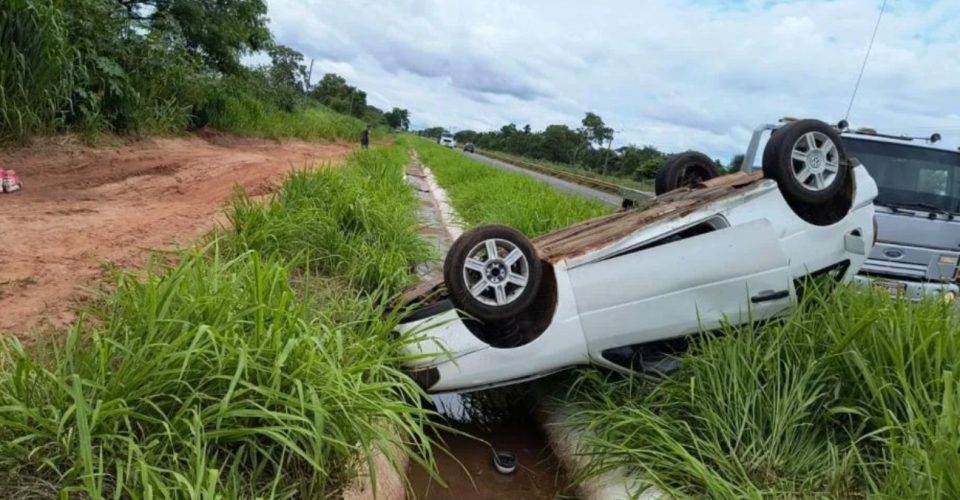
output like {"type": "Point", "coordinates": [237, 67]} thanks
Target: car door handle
{"type": "Point", "coordinates": [768, 295]}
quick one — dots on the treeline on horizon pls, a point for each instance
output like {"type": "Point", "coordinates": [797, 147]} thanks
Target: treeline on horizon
{"type": "Point", "coordinates": [587, 147]}
{"type": "Point", "coordinates": [154, 66]}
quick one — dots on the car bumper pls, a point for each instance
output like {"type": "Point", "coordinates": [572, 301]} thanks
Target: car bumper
{"type": "Point", "coordinates": [912, 290]}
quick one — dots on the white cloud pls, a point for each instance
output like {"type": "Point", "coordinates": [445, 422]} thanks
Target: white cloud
{"type": "Point", "coordinates": [672, 73]}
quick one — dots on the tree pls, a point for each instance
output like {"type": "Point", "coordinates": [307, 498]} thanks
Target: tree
{"type": "Point", "coordinates": [219, 31]}
{"type": "Point", "coordinates": [595, 130]}
{"type": "Point", "coordinates": [432, 132]}
{"type": "Point", "coordinates": [559, 144]}
{"type": "Point", "coordinates": [736, 162]}
{"type": "Point", "coordinates": [398, 118]}
{"type": "Point", "coordinates": [333, 91]}
{"type": "Point", "coordinates": [287, 70]}
{"type": "Point", "coordinates": [648, 169]}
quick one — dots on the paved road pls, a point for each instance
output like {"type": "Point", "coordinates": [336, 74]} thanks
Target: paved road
{"type": "Point", "coordinates": [560, 184]}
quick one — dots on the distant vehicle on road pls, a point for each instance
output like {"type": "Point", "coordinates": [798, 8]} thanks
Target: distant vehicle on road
{"type": "Point", "coordinates": [614, 291]}
{"type": "Point", "coordinates": [918, 234]}
{"type": "Point", "coordinates": [468, 147]}
{"type": "Point", "coordinates": [446, 139]}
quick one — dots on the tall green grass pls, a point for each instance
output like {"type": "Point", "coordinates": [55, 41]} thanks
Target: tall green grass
{"type": "Point", "coordinates": [355, 222]}
{"type": "Point", "coordinates": [484, 195]}
{"type": "Point", "coordinates": [853, 395]}
{"type": "Point", "coordinates": [232, 110]}
{"type": "Point", "coordinates": [231, 370]}
{"type": "Point", "coordinates": [35, 67]}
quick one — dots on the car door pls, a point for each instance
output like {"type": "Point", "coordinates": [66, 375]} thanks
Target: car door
{"type": "Point", "coordinates": [739, 273]}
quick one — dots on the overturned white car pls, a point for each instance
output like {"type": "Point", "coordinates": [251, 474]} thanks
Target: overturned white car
{"type": "Point", "coordinates": [732, 248]}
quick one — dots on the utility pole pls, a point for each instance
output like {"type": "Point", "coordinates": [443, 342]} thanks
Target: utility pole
{"type": "Point", "coordinates": [306, 84]}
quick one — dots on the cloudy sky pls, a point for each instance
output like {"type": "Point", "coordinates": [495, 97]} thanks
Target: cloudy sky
{"type": "Point", "coordinates": [677, 74]}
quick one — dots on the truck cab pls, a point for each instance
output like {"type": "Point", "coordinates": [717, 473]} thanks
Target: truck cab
{"type": "Point", "coordinates": [917, 219]}
{"type": "Point", "coordinates": [446, 139]}
{"type": "Point", "coordinates": [917, 209]}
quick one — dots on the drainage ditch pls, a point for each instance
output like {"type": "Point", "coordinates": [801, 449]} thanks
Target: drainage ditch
{"type": "Point", "coordinates": [481, 423]}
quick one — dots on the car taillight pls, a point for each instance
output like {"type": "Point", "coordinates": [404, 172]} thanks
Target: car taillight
{"type": "Point", "coordinates": [874, 230]}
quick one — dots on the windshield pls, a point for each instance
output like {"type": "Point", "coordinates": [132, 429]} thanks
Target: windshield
{"type": "Point", "coordinates": [910, 176]}
{"type": "Point", "coordinates": [446, 136]}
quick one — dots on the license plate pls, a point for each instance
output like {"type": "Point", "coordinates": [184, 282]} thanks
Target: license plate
{"type": "Point", "coordinates": [892, 287]}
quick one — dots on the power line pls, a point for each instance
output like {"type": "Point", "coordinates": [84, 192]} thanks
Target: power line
{"type": "Point", "coordinates": [867, 56]}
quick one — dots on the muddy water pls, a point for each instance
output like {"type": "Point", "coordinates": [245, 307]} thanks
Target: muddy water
{"type": "Point", "coordinates": [467, 467]}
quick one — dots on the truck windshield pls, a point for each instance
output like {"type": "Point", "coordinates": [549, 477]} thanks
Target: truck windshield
{"type": "Point", "coordinates": [910, 176]}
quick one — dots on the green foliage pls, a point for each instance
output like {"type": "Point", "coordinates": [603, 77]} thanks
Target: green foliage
{"type": "Point", "coordinates": [483, 195]}
{"type": "Point", "coordinates": [355, 222]}
{"type": "Point", "coordinates": [595, 130]}
{"type": "Point", "coordinates": [239, 109]}
{"type": "Point", "coordinates": [435, 132]}
{"type": "Point", "coordinates": [288, 76]}
{"type": "Point", "coordinates": [854, 394]}
{"type": "Point", "coordinates": [333, 91]}
{"type": "Point", "coordinates": [142, 66]}
{"type": "Point", "coordinates": [35, 67]}
{"type": "Point", "coordinates": [398, 119]}
{"type": "Point", "coordinates": [207, 377]}
{"type": "Point", "coordinates": [219, 31]}
{"type": "Point", "coordinates": [586, 149]}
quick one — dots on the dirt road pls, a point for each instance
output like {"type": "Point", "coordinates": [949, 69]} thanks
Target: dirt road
{"type": "Point", "coordinates": [84, 206]}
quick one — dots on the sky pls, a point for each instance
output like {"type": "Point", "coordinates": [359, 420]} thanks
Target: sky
{"type": "Point", "coordinates": [676, 74]}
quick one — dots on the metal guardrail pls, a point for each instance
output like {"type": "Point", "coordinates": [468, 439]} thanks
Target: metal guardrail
{"type": "Point", "coordinates": [583, 180]}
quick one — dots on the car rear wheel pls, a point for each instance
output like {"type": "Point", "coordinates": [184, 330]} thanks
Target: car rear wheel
{"type": "Point", "coordinates": [492, 272]}
{"type": "Point", "coordinates": [808, 161]}
{"type": "Point", "coordinates": [684, 170]}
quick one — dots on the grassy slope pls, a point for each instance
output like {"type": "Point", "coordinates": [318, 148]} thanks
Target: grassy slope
{"type": "Point", "coordinates": [257, 365]}
{"type": "Point", "coordinates": [646, 185]}
{"type": "Point", "coordinates": [853, 395]}
{"type": "Point", "coordinates": [245, 115]}
{"type": "Point", "coordinates": [483, 195]}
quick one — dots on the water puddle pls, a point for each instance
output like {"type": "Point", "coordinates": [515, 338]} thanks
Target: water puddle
{"type": "Point", "coordinates": [494, 420]}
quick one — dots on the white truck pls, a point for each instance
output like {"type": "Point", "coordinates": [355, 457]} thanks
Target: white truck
{"type": "Point", "coordinates": [605, 291]}
{"type": "Point", "coordinates": [446, 139]}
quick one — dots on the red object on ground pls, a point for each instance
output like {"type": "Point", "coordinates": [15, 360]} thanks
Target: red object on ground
{"type": "Point", "coordinates": [9, 182]}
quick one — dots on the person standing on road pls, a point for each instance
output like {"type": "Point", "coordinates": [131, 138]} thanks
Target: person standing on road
{"type": "Point", "coordinates": [365, 137]}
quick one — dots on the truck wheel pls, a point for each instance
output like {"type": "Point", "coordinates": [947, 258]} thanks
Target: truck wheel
{"type": "Point", "coordinates": [808, 161]}
{"type": "Point", "coordinates": [492, 272]}
{"type": "Point", "coordinates": [683, 170]}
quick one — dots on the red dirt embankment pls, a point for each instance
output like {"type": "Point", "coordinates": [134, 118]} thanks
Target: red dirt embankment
{"type": "Point", "coordinates": [83, 206]}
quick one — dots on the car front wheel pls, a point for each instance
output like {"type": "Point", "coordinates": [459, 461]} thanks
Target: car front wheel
{"type": "Point", "coordinates": [492, 273]}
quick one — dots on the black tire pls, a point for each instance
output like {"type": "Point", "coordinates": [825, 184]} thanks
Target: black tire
{"type": "Point", "coordinates": [456, 279]}
{"type": "Point", "coordinates": [684, 170]}
{"type": "Point", "coordinates": [780, 165]}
